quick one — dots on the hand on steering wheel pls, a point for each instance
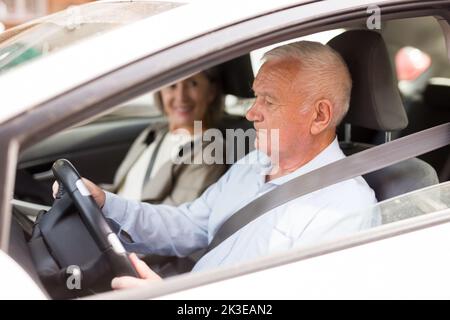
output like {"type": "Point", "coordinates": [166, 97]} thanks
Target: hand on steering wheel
{"type": "Point", "coordinates": [146, 275]}
{"type": "Point", "coordinates": [87, 200]}
{"type": "Point", "coordinates": [97, 193]}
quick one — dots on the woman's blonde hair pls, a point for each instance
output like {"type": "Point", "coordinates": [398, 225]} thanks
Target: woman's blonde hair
{"type": "Point", "coordinates": [215, 109]}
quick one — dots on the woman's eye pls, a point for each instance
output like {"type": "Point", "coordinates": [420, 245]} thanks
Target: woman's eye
{"type": "Point", "coordinates": [193, 83]}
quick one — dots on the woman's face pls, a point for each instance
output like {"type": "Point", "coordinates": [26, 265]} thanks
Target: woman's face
{"type": "Point", "coordinates": [187, 101]}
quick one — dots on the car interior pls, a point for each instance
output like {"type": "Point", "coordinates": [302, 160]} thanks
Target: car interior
{"type": "Point", "coordinates": [376, 104]}
{"type": "Point", "coordinates": [378, 112]}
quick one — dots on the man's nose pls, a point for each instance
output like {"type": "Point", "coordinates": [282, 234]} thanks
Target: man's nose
{"type": "Point", "coordinates": [254, 114]}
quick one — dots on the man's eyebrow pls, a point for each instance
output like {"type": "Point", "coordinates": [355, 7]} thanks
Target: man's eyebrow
{"type": "Point", "coordinates": [267, 95]}
{"type": "Point", "coordinates": [262, 92]}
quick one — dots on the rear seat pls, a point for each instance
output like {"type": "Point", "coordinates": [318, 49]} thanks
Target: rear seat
{"type": "Point", "coordinates": [432, 110]}
{"type": "Point", "coordinates": [376, 105]}
{"type": "Point", "coordinates": [237, 78]}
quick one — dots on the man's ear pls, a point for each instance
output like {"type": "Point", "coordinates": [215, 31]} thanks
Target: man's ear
{"type": "Point", "coordinates": [323, 113]}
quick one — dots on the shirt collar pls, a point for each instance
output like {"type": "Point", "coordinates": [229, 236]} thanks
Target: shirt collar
{"type": "Point", "coordinates": [328, 155]}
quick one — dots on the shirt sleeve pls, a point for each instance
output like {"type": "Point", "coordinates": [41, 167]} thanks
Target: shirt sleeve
{"type": "Point", "coordinates": [163, 229]}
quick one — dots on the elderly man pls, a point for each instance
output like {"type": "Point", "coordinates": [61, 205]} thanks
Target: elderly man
{"type": "Point", "coordinates": [303, 90]}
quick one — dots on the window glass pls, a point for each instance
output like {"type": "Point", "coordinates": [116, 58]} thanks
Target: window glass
{"type": "Point", "coordinates": [44, 36]}
{"type": "Point", "coordinates": [424, 201]}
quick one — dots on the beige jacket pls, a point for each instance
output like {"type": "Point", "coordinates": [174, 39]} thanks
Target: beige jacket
{"type": "Point", "coordinates": [173, 184]}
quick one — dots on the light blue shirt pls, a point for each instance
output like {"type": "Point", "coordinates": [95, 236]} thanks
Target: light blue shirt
{"type": "Point", "coordinates": [321, 215]}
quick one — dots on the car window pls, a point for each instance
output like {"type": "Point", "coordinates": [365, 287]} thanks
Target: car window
{"type": "Point", "coordinates": [417, 50]}
{"type": "Point", "coordinates": [322, 37]}
{"type": "Point", "coordinates": [144, 106]}
{"type": "Point", "coordinates": [44, 36]}
{"type": "Point", "coordinates": [410, 63]}
{"type": "Point", "coordinates": [413, 68]}
{"type": "Point", "coordinates": [416, 203]}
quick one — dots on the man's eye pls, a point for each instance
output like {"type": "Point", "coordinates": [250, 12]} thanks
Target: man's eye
{"type": "Point", "coordinates": [269, 102]}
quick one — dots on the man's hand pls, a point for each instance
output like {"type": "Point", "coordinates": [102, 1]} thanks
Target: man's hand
{"type": "Point", "coordinates": [97, 193]}
{"type": "Point", "coordinates": [146, 274]}
{"type": "Point", "coordinates": [142, 269]}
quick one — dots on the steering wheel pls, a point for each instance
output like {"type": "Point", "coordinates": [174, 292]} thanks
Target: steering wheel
{"type": "Point", "coordinates": [107, 241]}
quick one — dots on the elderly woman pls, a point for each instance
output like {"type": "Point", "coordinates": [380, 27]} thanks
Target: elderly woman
{"type": "Point", "coordinates": [149, 171]}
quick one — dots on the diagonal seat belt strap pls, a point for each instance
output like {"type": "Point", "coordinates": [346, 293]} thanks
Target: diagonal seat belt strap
{"type": "Point", "coordinates": [350, 167]}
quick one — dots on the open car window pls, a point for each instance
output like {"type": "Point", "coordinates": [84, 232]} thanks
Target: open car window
{"type": "Point", "coordinates": [416, 203]}
{"type": "Point", "coordinates": [428, 200]}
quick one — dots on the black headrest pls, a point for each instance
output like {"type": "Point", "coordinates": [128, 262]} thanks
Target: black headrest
{"type": "Point", "coordinates": [237, 77]}
{"type": "Point", "coordinates": [437, 93]}
{"type": "Point", "coordinates": [375, 101]}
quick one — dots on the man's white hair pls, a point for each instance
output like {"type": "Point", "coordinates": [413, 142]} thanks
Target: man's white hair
{"type": "Point", "coordinates": [328, 75]}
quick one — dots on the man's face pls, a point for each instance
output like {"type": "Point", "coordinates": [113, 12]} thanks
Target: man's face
{"type": "Point", "coordinates": [280, 104]}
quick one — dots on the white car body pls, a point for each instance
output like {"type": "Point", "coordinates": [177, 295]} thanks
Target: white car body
{"type": "Point", "coordinates": [14, 279]}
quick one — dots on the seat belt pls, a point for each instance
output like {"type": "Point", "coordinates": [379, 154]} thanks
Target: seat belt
{"type": "Point", "coordinates": [350, 167]}
{"type": "Point", "coordinates": [153, 158]}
